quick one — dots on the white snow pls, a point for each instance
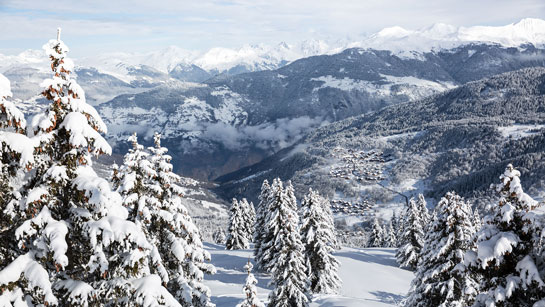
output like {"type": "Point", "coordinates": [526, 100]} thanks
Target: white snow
{"type": "Point", "coordinates": [517, 132]}
{"type": "Point", "coordinates": [5, 87]}
{"type": "Point", "coordinates": [370, 277]}
{"type": "Point", "coordinates": [412, 87]}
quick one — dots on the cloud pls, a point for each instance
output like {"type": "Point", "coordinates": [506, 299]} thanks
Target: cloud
{"type": "Point", "coordinates": [91, 26]}
{"type": "Point", "coordinates": [271, 136]}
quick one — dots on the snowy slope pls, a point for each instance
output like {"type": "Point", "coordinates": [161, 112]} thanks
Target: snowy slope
{"type": "Point", "coordinates": [412, 43]}
{"type": "Point", "coordinates": [370, 278]}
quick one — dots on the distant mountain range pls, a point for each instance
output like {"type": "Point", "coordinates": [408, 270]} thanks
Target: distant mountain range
{"type": "Point", "coordinates": [168, 65]}
{"type": "Point", "coordinates": [231, 121]}
{"type": "Point", "coordinates": [460, 140]}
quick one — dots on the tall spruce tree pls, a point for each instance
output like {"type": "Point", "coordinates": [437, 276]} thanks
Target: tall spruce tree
{"type": "Point", "coordinates": [377, 234]}
{"type": "Point", "coordinates": [423, 209]}
{"type": "Point", "coordinates": [16, 156]}
{"type": "Point", "coordinates": [237, 234]}
{"type": "Point", "coordinates": [261, 217]}
{"type": "Point", "coordinates": [250, 290]}
{"type": "Point", "coordinates": [249, 215]}
{"type": "Point", "coordinates": [267, 248]}
{"type": "Point", "coordinates": [318, 240]}
{"type": "Point", "coordinates": [412, 237]}
{"type": "Point", "coordinates": [390, 238]}
{"type": "Point", "coordinates": [72, 244]}
{"type": "Point", "coordinates": [286, 258]}
{"type": "Point", "coordinates": [442, 278]}
{"type": "Point", "coordinates": [173, 231]}
{"type": "Point", "coordinates": [506, 251]}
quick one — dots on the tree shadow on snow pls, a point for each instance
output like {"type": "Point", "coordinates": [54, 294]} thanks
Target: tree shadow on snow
{"type": "Point", "coordinates": [385, 259]}
{"type": "Point", "coordinates": [230, 269]}
{"type": "Point", "coordinates": [387, 297]}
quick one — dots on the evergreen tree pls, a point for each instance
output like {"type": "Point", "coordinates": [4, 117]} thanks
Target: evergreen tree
{"type": "Point", "coordinates": [318, 240]}
{"type": "Point", "coordinates": [237, 235]}
{"type": "Point", "coordinates": [266, 245]}
{"type": "Point", "coordinates": [249, 215]}
{"type": "Point", "coordinates": [477, 219]}
{"type": "Point", "coordinates": [286, 260]}
{"type": "Point", "coordinates": [329, 221]}
{"type": "Point", "coordinates": [261, 217]}
{"type": "Point", "coordinates": [173, 231]}
{"type": "Point", "coordinates": [507, 248]}
{"type": "Point", "coordinates": [250, 290]}
{"type": "Point", "coordinates": [71, 242]}
{"type": "Point", "coordinates": [390, 238]}
{"type": "Point", "coordinates": [16, 156]}
{"type": "Point", "coordinates": [442, 278]}
{"type": "Point", "coordinates": [411, 238]}
{"type": "Point", "coordinates": [423, 209]}
{"type": "Point", "coordinates": [377, 235]}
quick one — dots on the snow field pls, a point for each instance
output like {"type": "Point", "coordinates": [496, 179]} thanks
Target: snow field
{"type": "Point", "coordinates": [370, 276]}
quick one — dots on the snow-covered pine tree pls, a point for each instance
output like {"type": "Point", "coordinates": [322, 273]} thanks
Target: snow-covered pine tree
{"type": "Point", "coordinates": [272, 195]}
{"type": "Point", "coordinates": [173, 231]}
{"type": "Point", "coordinates": [249, 216]}
{"type": "Point", "coordinates": [411, 238]}
{"type": "Point", "coordinates": [250, 290]}
{"type": "Point", "coordinates": [507, 248]}
{"type": "Point", "coordinates": [330, 223]}
{"type": "Point", "coordinates": [400, 227]}
{"type": "Point", "coordinates": [477, 219]}
{"type": "Point", "coordinates": [318, 240]}
{"type": "Point", "coordinates": [286, 260]}
{"type": "Point", "coordinates": [423, 209]}
{"type": "Point", "coordinates": [261, 218]}
{"type": "Point", "coordinates": [16, 156]}
{"type": "Point", "coordinates": [132, 179]}
{"type": "Point", "coordinates": [442, 278]}
{"type": "Point", "coordinates": [390, 238]}
{"type": "Point", "coordinates": [377, 235]}
{"type": "Point", "coordinates": [72, 242]}
{"type": "Point", "coordinates": [237, 236]}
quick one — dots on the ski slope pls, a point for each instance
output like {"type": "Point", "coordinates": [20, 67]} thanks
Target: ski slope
{"type": "Point", "coordinates": [370, 277]}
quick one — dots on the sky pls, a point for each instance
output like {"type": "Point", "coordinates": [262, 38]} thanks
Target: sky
{"type": "Point", "coordinates": [99, 26]}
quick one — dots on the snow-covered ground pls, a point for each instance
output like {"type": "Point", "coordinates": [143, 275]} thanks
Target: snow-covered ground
{"type": "Point", "coordinates": [371, 277]}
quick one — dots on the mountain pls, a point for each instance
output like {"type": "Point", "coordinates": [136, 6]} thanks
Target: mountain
{"type": "Point", "coordinates": [231, 121]}
{"type": "Point", "coordinates": [458, 140]}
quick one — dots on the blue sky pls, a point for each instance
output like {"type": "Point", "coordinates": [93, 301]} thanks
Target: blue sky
{"type": "Point", "coordinates": [91, 27]}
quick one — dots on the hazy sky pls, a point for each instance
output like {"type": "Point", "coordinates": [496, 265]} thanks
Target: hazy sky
{"type": "Point", "coordinates": [142, 25]}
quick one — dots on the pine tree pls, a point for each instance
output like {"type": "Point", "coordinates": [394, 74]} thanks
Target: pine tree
{"type": "Point", "coordinates": [261, 218]}
{"type": "Point", "coordinates": [318, 240]}
{"type": "Point", "coordinates": [390, 238]}
{"type": "Point", "coordinates": [173, 231]}
{"type": "Point", "coordinates": [329, 221]}
{"type": "Point", "coordinates": [477, 219]}
{"type": "Point", "coordinates": [377, 235]}
{"type": "Point", "coordinates": [71, 242]}
{"type": "Point", "coordinates": [286, 258]}
{"type": "Point", "coordinates": [442, 278]}
{"type": "Point", "coordinates": [237, 235]}
{"type": "Point", "coordinates": [423, 209]}
{"type": "Point", "coordinates": [16, 157]}
{"type": "Point", "coordinates": [249, 215]}
{"type": "Point", "coordinates": [506, 248]}
{"type": "Point", "coordinates": [411, 238]}
{"type": "Point", "coordinates": [267, 250]}
{"type": "Point", "coordinates": [152, 194]}
{"type": "Point", "coordinates": [250, 290]}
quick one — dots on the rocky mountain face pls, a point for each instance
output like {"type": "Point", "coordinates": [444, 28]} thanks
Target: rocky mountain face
{"type": "Point", "coordinates": [231, 121]}
{"type": "Point", "coordinates": [459, 140]}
